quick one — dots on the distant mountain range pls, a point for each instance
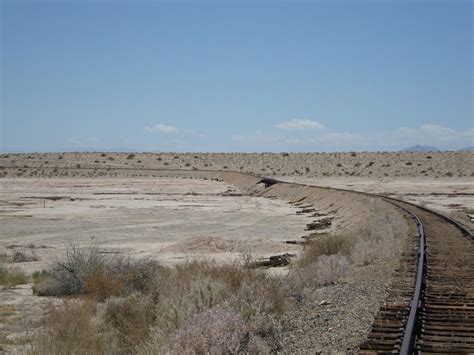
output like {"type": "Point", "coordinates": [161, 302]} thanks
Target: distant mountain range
{"type": "Point", "coordinates": [420, 148]}
{"type": "Point", "coordinates": [427, 148]}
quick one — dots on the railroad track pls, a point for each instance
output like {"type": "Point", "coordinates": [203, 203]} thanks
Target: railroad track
{"type": "Point", "coordinates": [430, 306]}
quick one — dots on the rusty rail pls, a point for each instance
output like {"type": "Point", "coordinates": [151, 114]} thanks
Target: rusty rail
{"type": "Point", "coordinates": [411, 327]}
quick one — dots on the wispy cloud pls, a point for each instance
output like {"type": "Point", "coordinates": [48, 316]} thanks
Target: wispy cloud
{"type": "Point", "coordinates": [328, 140]}
{"type": "Point", "coordinates": [161, 128]}
{"type": "Point", "coordinates": [427, 134]}
{"type": "Point", "coordinates": [296, 124]}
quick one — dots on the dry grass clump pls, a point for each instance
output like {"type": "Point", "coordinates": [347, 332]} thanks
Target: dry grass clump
{"type": "Point", "coordinates": [11, 277]}
{"type": "Point", "coordinates": [325, 261]}
{"type": "Point", "coordinates": [131, 318]}
{"type": "Point", "coordinates": [381, 238]}
{"type": "Point", "coordinates": [216, 331]}
{"type": "Point", "coordinates": [325, 244]}
{"type": "Point", "coordinates": [73, 328]}
{"type": "Point", "coordinates": [328, 269]}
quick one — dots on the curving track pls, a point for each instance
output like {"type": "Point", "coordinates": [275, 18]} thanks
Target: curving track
{"type": "Point", "coordinates": [430, 306]}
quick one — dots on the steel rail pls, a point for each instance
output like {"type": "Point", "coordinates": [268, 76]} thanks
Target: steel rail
{"type": "Point", "coordinates": [416, 303]}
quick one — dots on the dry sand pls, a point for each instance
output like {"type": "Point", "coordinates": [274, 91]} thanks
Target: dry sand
{"type": "Point", "coordinates": [166, 219]}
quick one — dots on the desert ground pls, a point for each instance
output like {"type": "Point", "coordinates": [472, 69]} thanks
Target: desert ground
{"type": "Point", "coordinates": [138, 205]}
{"type": "Point", "coordinates": [440, 180]}
{"type": "Point", "coordinates": [390, 165]}
{"type": "Point", "coordinates": [168, 219]}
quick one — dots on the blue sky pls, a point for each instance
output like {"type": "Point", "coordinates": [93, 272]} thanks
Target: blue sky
{"type": "Point", "coordinates": [236, 76]}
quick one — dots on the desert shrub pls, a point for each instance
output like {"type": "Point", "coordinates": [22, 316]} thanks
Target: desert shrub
{"type": "Point", "coordinates": [325, 244]}
{"type": "Point", "coordinates": [20, 257]}
{"type": "Point", "coordinates": [131, 318]}
{"type": "Point", "coordinates": [367, 252]}
{"type": "Point", "coordinates": [185, 298]}
{"type": "Point", "coordinates": [11, 277]}
{"type": "Point", "coordinates": [131, 156]}
{"type": "Point", "coordinates": [38, 277]}
{"type": "Point", "coordinates": [196, 287]}
{"type": "Point", "coordinates": [326, 270]}
{"type": "Point", "coordinates": [102, 284]}
{"type": "Point", "coordinates": [215, 331]}
{"type": "Point", "coordinates": [89, 271]}
{"type": "Point", "coordinates": [187, 164]}
{"type": "Point", "coordinates": [136, 275]}
{"type": "Point", "coordinates": [68, 277]}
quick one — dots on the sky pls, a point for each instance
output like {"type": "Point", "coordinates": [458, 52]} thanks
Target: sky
{"type": "Point", "coordinates": [243, 76]}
